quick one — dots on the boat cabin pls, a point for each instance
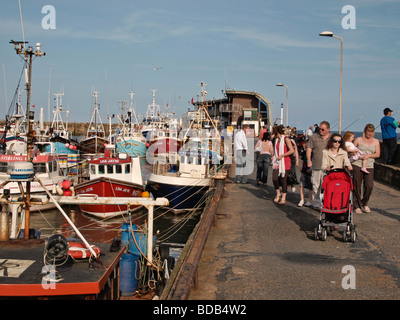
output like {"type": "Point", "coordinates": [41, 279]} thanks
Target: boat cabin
{"type": "Point", "coordinates": [122, 168]}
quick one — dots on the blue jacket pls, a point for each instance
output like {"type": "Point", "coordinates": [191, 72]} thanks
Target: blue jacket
{"type": "Point", "coordinates": [389, 125]}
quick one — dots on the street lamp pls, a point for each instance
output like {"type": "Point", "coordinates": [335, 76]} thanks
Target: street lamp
{"type": "Point", "coordinates": [330, 34]}
{"type": "Point", "coordinates": [287, 110]}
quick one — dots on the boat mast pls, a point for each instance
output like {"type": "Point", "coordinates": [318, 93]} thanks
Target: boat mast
{"type": "Point", "coordinates": [28, 54]}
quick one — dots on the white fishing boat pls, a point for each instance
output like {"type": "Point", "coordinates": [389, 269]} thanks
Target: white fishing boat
{"type": "Point", "coordinates": [65, 147]}
{"type": "Point", "coordinates": [45, 167]}
{"type": "Point", "coordinates": [185, 178]}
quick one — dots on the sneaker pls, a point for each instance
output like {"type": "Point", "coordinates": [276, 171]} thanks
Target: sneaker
{"type": "Point", "coordinates": [364, 170]}
{"type": "Point", "coordinates": [308, 204]}
{"type": "Point", "coordinates": [300, 204]}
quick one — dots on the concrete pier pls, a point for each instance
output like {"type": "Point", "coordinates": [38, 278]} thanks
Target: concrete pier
{"type": "Point", "coordinates": [259, 250]}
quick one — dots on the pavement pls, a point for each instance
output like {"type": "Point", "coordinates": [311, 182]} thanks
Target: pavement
{"type": "Point", "coordinates": [259, 250]}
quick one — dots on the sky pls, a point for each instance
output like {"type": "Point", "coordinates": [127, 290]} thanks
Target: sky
{"type": "Point", "coordinates": [112, 46]}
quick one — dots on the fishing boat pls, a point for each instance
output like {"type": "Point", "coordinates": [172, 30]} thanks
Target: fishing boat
{"type": "Point", "coordinates": [185, 178]}
{"type": "Point", "coordinates": [128, 138]}
{"type": "Point", "coordinates": [95, 136]}
{"type": "Point", "coordinates": [65, 147]}
{"type": "Point", "coordinates": [152, 120]}
{"type": "Point", "coordinates": [111, 176]}
{"type": "Point", "coordinates": [45, 166]}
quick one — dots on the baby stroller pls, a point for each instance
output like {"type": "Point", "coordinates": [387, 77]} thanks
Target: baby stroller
{"type": "Point", "coordinates": [337, 208]}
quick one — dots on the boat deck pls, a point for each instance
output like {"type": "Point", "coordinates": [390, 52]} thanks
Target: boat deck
{"type": "Point", "coordinates": [79, 278]}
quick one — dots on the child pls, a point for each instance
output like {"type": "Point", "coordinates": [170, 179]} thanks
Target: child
{"type": "Point", "coordinates": [305, 178]}
{"type": "Point", "coordinates": [351, 148]}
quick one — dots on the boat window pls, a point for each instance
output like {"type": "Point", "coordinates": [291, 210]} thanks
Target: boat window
{"type": "Point", "coordinates": [50, 164]}
{"type": "Point", "coordinates": [110, 168]}
{"type": "Point", "coordinates": [101, 168]}
{"type": "Point", "coordinates": [92, 169]}
{"type": "Point", "coordinates": [54, 165]}
{"type": "Point", "coordinates": [39, 167]}
{"type": "Point", "coordinates": [118, 168]}
{"type": "Point", "coordinates": [3, 166]}
{"type": "Point", "coordinates": [127, 168]}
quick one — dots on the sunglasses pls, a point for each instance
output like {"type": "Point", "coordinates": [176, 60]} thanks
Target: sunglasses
{"type": "Point", "coordinates": [337, 141]}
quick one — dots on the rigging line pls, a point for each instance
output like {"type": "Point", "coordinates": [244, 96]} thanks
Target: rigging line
{"type": "Point", "coordinates": [5, 84]}
{"type": "Point", "coordinates": [22, 23]}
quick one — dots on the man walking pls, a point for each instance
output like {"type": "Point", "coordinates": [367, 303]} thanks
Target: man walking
{"type": "Point", "coordinates": [389, 136]}
{"type": "Point", "coordinates": [240, 144]}
{"type": "Point", "coordinates": [315, 145]}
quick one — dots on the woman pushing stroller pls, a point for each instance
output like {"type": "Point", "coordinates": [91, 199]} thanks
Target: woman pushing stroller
{"type": "Point", "coordinates": [335, 155]}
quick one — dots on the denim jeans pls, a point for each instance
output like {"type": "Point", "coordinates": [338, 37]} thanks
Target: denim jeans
{"type": "Point", "coordinates": [263, 162]}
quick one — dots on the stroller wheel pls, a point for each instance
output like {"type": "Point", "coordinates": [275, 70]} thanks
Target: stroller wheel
{"type": "Point", "coordinates": [324, 233]}
{"type": "Point", "coordinates": [353, 234]}
{"type": "Point", "coordinates": [316, 234]}
{"type": "Point", "coordinates": [347, 233]}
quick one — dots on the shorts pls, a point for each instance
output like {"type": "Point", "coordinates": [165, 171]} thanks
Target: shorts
{"type": "Point", "coordinates": [305, 181]}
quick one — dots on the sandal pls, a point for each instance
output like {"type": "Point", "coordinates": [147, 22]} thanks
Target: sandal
{"type": "Point", "coordinates": [367, 209]}
{"type": "Point", "coordinates": [277, 198]}
{"type": "Point", "coordinates": [282, 201]}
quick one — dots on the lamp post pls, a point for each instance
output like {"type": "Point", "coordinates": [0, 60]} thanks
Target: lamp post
{"type": "Point", "coordinates": [287, 109]}
{"type": "Point", "coordinates": [330, 34]}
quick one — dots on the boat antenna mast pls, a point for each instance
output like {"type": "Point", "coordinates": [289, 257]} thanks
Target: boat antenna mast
{"type": "Point", "coordinates": [28, 54]}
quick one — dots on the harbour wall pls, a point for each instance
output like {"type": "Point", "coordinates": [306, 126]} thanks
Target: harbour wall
{"type": "Point", "coordinates": [389, 174]}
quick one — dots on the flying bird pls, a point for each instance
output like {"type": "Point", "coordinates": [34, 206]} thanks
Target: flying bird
{"type": "Point", "coordinates": [156, 68]}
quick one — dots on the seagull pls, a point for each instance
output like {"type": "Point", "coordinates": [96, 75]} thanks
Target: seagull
{"type": "Point", "coordinates": [156, 68]}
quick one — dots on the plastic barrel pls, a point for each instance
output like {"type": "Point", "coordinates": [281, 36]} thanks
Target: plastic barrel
{"type": "Point", "coordinates": [129, 274]}
{"type": "Point", "coordinates": [140, 240]}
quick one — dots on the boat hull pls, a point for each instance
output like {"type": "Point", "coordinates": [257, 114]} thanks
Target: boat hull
{"type": "Point", "coordinates": [132, 147]}
{"type": "Point", "coordinates": [165, 145]}
{"type": "Point", "coordinates": [88, 146]}
{"type": "Point", "coordinates": [107, 187]}
{"type": "Point", "coordinates": [182, 193]}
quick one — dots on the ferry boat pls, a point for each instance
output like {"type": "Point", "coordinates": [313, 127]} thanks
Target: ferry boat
{"type": "Point", "coordinates": [111, 176]}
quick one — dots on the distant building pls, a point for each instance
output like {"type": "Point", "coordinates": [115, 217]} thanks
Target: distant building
{"type": "Point", "coordinates": [255, 109]}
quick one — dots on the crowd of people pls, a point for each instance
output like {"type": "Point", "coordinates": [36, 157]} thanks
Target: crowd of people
{"type": "Point", "coordinates": [319, 151]}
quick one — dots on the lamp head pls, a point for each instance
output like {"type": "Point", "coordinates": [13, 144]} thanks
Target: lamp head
{"type": "Point", "coordinates": [326, 34]}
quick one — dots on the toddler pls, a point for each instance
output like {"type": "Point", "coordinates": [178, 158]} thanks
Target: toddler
{"type": "Point", "coordinates": [348, 138]}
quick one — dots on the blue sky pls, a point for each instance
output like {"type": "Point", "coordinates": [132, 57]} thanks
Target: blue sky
{"type": "Point", "coordinates": [110, 46]}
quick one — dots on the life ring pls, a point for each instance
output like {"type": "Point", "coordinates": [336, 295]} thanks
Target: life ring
{"type": "Point", "coordinates": [78, 250]}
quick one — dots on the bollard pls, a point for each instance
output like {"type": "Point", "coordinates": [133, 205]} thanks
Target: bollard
{"type": "Point", "coordinates": [4, 227]}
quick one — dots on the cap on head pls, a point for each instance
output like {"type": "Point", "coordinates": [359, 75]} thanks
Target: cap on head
{"type": "Point", "coordinates": [387, 110]}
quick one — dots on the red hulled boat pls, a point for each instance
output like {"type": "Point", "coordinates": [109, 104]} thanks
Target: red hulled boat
{"type": "Point", "coordinates": [111, 176]}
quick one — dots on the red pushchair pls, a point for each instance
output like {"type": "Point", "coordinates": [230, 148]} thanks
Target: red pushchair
{"type": "Point", "coordinates": [337, 206]}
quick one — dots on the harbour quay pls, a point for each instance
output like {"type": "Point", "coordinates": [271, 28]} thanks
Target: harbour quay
{"type": "Point", "coordinates": [259, 250]}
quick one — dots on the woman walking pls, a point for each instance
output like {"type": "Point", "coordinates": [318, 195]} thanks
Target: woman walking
{"type": "Point", "coordinates": [263, 158]}
{"type": "Point", "coordinates": [371, 148]}
{"type": "Point", "coordinates": [281, 163]}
